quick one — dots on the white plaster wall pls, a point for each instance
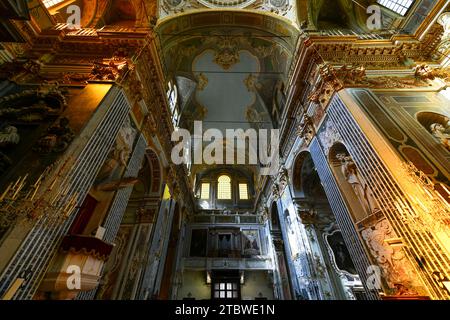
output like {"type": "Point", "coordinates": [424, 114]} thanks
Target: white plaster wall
{"type": "Point", "coordinates": [256, 282]}
{"type": "Point", "coordinates": [195, 283]}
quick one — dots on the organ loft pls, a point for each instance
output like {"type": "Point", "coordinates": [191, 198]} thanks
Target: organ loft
{"type": "Point", "coordinates": [99, 199]}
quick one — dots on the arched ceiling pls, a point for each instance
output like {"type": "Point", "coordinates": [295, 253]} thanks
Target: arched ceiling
{"type": "Point", "coordinates": [333, 14]}
{"type": "Point", "coordinates": [233, 64]}
{"type": "Point", "coordinates": [237, 60]}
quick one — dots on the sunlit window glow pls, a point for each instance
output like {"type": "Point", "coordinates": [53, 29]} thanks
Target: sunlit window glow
{"type": "Point", "coordinates": [226, 291]}
{"type": "Point", "coordinates": [398, 6]}
{"type": "Point", "coordinates": [204, 193]}
{"type": "Point", "coordinates": [224, 188]}
{"type": "Point", "coordinates": [243, 191]}
{"type": "Point", "coordinates": [51, 3]}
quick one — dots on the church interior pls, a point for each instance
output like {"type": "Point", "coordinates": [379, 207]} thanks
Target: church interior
{"type": "Point", "coordinates": [356, 93]}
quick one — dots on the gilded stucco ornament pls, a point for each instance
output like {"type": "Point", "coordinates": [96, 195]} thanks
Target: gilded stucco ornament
{"type": "Point", "coordinates": [329, 136]}
{"type": "Point", "coordinates": [226, 3]}
{"type": "Point", "coordinates": [227, 53]}
{"type": "Point", "coordinates": [202, 81]}
{"type": "Point", "coordinates": [275, 191]}
{"type": "Point", "coordinates": [281, 7]}
{"type": "Point", "coordinates": [398, 271]}
{"type": "Point", "coordinates": [306, 129]}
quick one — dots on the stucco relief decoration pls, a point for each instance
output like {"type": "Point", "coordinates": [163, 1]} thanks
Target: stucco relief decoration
{"type": "Point", "coordinates": [355, 76]}
{"type": "Point", "coordinates": [275, 192]}
{"type": "Point", "coordinates": [133, 86]}
{"type": "Point", "coordinates": [226, 3]}
{"type": "Point", "coordinates": [311, 216]}
{"type": "Point", "coordinates": [227, 53]}
{"type": "Point", "coordinates": [306, 129]}
{"type": "Point", "coordinates": [327, 85]}
{"type": "Point", "coordinates": [425, 72]}
{"type": "Point", "coordinates": [283, 179]}
{"type": "Point", "coordinates": [329, 136]}
{"type": "Point", "coordinates": [251, 83]}
{"type": "Point", "coordinates": [202, 81]}
{"type": "Point", "coordinates": [278, 6]}
{"type": "Point", "coordinates": [442, 133]}
{"type": "Point", "coordinates": [109, 70]}
{"type": "Point", "coordinates": [57, 138]}
{"type": "Point", "coordinates": [175, 6]}
{"type": "Point", "coordinates": [254, 116]}
{"type": "Point", "coordinates": [398, 271]}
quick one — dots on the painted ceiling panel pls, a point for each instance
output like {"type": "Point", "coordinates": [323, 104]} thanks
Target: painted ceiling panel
{"type": "Point", "coordinates": [226, 95]}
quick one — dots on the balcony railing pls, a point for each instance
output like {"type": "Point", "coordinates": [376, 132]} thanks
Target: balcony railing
{"type": "Point", "coordinates": [379, 35]}
{"type": "Point", "coordinates": [214, 217]}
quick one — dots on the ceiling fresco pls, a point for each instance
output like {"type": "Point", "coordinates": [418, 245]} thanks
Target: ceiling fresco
{"type": "Point", "coordinates": [227, 88]}
{"type": "Point", "coordinates": [237, 67]}
{"type": "Point", "coordinates": [229, 68]}
{"type": "Point", "coordinates": [285, 8]}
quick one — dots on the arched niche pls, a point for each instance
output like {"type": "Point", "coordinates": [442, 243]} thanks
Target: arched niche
{"type": "Point", "coordinates": [169, 265]}
{"type": "Point", "coordinates": [339, 254]}
{"type": "Point", "coordinates": [334, 14]}
{"type": "Point", "coordinates": [352, 192]}
{"type": "Point", "coordinates": [297, 173]}
{"type": "Point", "coordinates": [274, 217]}
{"type": "Point", "coordinates": [438, 125]}
{"type": "Point", "coordinates": [427, 119]}
{"type": "Point", "coordinates": [148, 186]}
{"type": "Point", "coordinates": [306, 181]}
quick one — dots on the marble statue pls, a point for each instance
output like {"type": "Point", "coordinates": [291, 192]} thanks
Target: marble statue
{"type": "Point", "coordinates": [361, 190]}
{"type": "Point", "coordinates": [442, 133]}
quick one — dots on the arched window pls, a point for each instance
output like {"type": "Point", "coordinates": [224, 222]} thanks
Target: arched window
{"type": "Point", "coordinates": [224, 188]}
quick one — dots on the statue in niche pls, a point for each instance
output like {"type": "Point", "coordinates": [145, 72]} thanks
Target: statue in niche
{"type": "Point", "coordinates": [57, 138]}
{"type": "Point", "coordinates": [362, 191]}
{"type": "Point", "coordinates": [116, 161]}
{"type": "Point", "coordinates": [442, 133]}
{"type": "Point", "coordinates": [9, 136]}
